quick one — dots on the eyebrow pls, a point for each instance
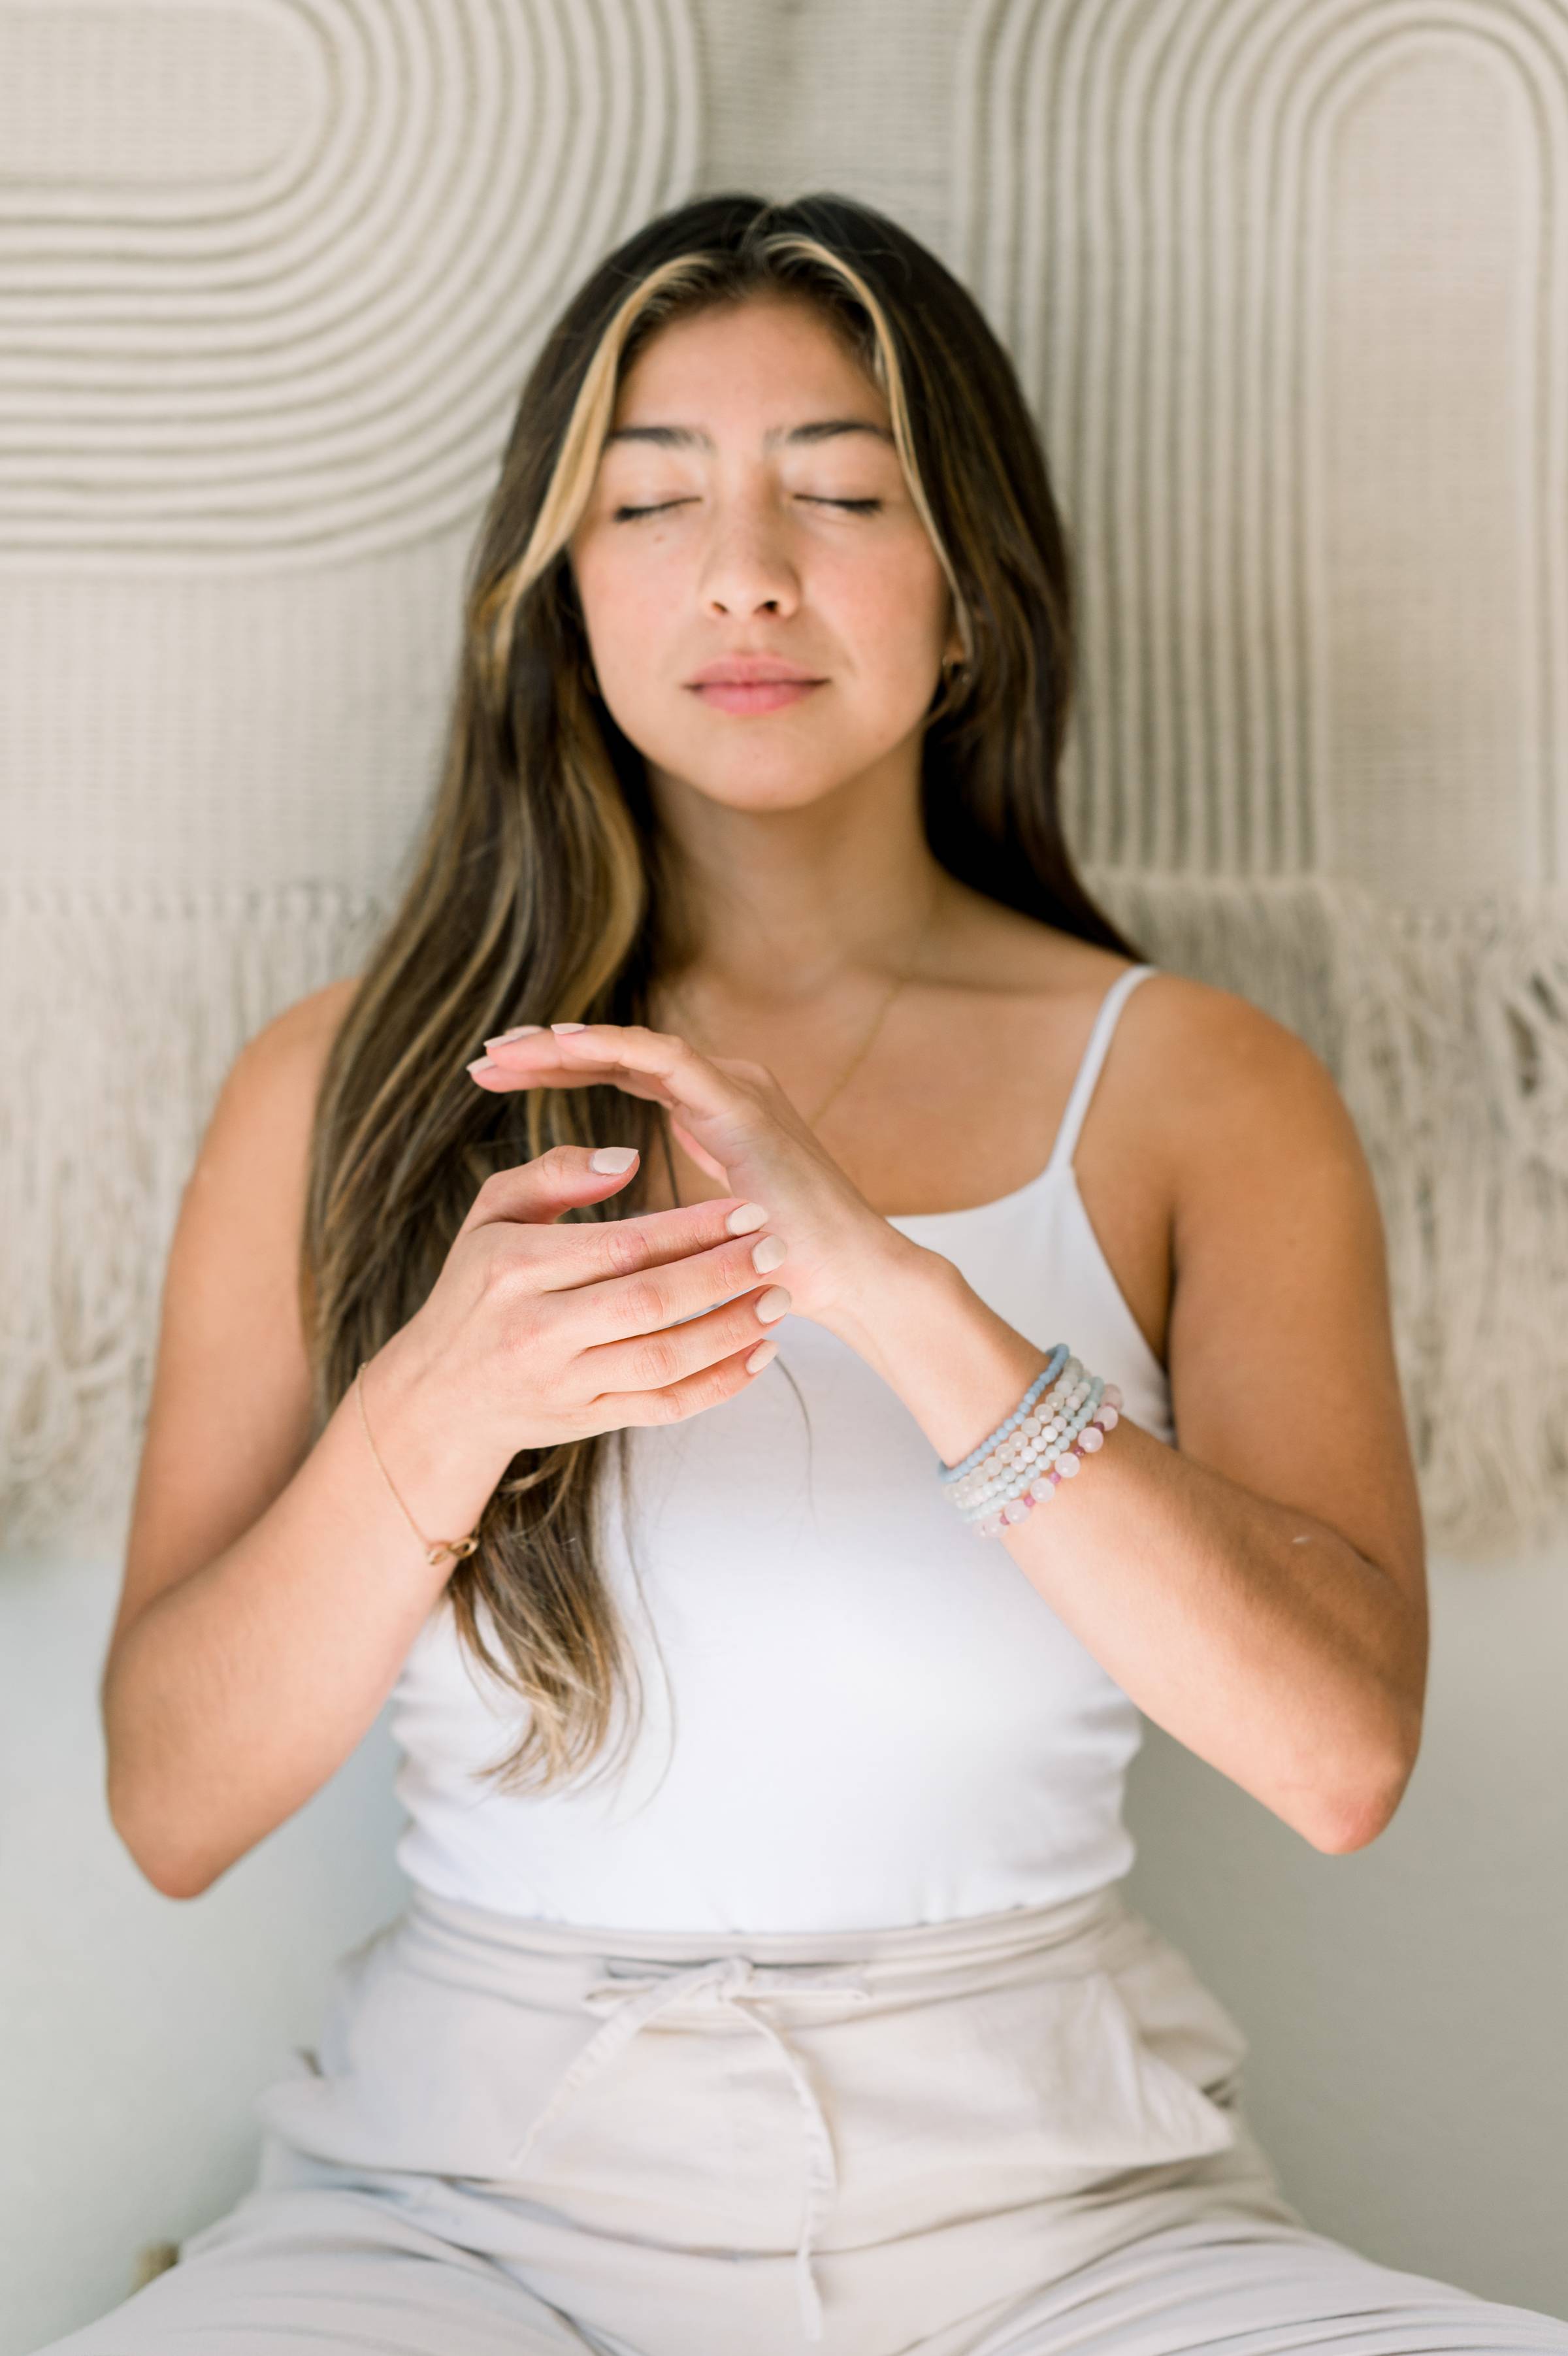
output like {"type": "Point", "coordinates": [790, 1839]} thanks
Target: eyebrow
{"type": "Point", "coordinates": [693, 437]}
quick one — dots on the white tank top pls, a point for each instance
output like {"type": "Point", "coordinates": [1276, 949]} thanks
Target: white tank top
{"type": "Point", "coordinates": [878, 1720]}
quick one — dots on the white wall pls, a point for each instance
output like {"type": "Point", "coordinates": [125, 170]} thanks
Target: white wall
{"type": "Point", "coordinates": [1406, 2002]}
{"type": "Point", "coordinates": [138, 2026]}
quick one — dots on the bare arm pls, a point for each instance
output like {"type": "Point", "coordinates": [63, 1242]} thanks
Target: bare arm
{"type": "Point", "coordinates": [240, 1688]}
{"type": "Point", "coordinates": [273, 1588]}
{"type": "Point", "coordinates": [1259, 1590]}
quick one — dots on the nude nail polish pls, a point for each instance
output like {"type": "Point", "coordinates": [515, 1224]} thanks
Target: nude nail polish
{"type": "Point", "coordinates": [767, 1253]}
{"type": "Point", "coordinates": [745, 1217]}
{"type": "Point", "coordinates": [773, 1303]}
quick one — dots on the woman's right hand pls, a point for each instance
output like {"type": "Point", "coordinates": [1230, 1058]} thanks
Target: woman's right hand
{"type": "Point", "coordinates": [536, 1332]}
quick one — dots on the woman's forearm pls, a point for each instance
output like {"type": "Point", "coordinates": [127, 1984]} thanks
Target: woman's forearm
{"type": "Point", "coordinates": [236, 1692]}
{"type": "Point", "coordinates": [1253, 1632]}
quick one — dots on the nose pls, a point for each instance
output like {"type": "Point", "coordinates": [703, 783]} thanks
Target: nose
{"type": "Point", "coordinates": [747, 568]}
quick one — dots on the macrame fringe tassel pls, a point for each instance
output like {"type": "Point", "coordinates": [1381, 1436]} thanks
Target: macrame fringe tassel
{"type": "Point", "coordinates": [1447, 1031]}
{"type": "Point", "coordinates": [122, 1010]}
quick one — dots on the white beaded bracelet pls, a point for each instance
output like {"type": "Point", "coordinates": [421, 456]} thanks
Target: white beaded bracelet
{"type": "Point", "coordinates": [1040, 1454]}
{"type": "Point", "coordinates": [1036, 1448]}
{"type": "Point", "coordinates": [1047, 1419]}
{"type": "Point", "coordinates": [1034, 1432]}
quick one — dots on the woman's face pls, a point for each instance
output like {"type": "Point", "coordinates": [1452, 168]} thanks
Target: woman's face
{"type": "Point", "coordinates": [750, 503]}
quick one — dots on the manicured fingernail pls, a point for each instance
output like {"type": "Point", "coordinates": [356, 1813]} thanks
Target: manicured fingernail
{"type": "Point", "coordinates": [481, 1063]}
{"type": "Point", "coordinates": [568, 1027]}
{"type": "Point", "coordinates": [612, 1157]}
{"type": "Point", "coordinates": [760, 1356]}
{"type": "Point", "coordinates": [768, 1253]}
{"type": "Point", "coordinates": [745, 1217]}
{"type": "Point", "coordinates": [520, 1031]}
{"type": "Point", "coordinates": [772, 1304]}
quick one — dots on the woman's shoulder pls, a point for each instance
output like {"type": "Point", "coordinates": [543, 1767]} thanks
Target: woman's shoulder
{"type": "Point", "coordinates": [1206, 1089]}
{"type": "Point", "coordinates": [1215, 1064]}
{"type": "Point", "coordinates": [307, 1025]}
{"type": "Point", "coordinates": [1220, 1039]}
{"type": "Point", "coordinates": [267, 1104]}
{"type": "Point", "coordinates": [1190, 1066]}
{"type": "Point", "coordinates": [1204, 1095]}
{"type": "Point", "coordinates": [1242, 1127]}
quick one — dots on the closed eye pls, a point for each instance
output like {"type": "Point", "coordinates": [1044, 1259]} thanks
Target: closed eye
{"type": "Point", "coordinates": [852, 507]}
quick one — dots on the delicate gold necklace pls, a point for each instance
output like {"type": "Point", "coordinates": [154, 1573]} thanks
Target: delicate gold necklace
{"type": "Point", "coordinates": [869, 1041]}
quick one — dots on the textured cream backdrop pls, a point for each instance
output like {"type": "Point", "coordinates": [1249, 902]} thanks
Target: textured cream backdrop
{"type": "Point", "coordinates": [1285, 284]}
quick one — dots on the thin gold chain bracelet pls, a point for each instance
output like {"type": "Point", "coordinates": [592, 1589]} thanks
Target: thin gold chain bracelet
{"type": "Point", "coordinates": [436, 1550]}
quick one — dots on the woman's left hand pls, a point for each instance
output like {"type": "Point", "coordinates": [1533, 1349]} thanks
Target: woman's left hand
{"type": "Point", "coordinates": [737, 1123]}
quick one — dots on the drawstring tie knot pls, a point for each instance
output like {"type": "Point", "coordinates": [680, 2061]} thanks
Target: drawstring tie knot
{"type": "Point", "coordinates": [638, 1993]}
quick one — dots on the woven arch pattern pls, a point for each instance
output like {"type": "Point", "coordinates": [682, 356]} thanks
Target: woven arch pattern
{"type": "Point", "coordinates": [1192, 221]}
{"type": "Point", "coordinates": [272, 274]}
{"type": "Point", "coordinates": [309, 354]}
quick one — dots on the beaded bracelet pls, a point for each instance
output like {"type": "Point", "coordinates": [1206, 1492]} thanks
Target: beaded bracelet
{"type": "Point", "coordinates": [1041, 1480]}
{"type": "Point", "coordinates": [1033, 1449]}
{"type": "Point", "coordinates": [1047, 1422]}
{"type": "Point", "coordinates": [1048, 1373]}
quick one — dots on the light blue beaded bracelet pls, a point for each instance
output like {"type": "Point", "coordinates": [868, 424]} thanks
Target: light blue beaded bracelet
{"type": "Point", "coordinates": [997, 1484]}
{"type": "Point", "coordinates": [1040, 1442]}
{"type": "Point", "coordinates": [1046, 1416]}
{"type": "Point", "coordinates": [1048, 1373]}
{"type": "Point", "coordinates": [1041, 1456]}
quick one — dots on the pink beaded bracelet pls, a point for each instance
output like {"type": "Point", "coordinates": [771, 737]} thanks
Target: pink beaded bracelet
{"type": "Point", "coordinates": [1106, 1416]}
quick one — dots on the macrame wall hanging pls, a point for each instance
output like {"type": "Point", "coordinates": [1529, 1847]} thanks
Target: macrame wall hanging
{"type": "Point", "coordinates": [1285, 281]}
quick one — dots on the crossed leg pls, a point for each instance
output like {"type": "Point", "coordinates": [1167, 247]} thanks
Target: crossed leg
{"type": "Point", "coordinates": [327, 2271]}
{"type": "Point", "coordinates": [1237, 2285]}
{"type": "Point", "coordinates": [321, 2271]}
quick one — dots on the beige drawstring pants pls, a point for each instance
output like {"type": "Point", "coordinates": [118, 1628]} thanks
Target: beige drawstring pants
{"type": "Point", "coordinates": [1008, 2135]}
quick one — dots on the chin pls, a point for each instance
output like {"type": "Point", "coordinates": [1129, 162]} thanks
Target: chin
{"type": "Point", "coordinates": [753, 775]}
{"type": "Point", "coordinates": [757, 785]}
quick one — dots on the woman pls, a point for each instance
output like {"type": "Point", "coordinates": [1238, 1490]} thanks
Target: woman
{"type": "Point", "coordinates": [821, 2021]}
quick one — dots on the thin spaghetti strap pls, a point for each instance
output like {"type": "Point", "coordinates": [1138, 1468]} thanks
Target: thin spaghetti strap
{"type": "Point", "coordinates": [1094, 1055]}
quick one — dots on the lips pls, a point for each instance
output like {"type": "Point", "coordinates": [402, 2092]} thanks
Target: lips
{"type": "Point", "coordinates": [743, 683]}
{"type": "Point", "coordinates": [754, 694]}
{"type": "Point", "coordinates": [748, 668]}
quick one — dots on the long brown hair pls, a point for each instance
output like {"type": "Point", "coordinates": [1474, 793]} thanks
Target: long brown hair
{"type": "Point", "coordinates": [541, 891]}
